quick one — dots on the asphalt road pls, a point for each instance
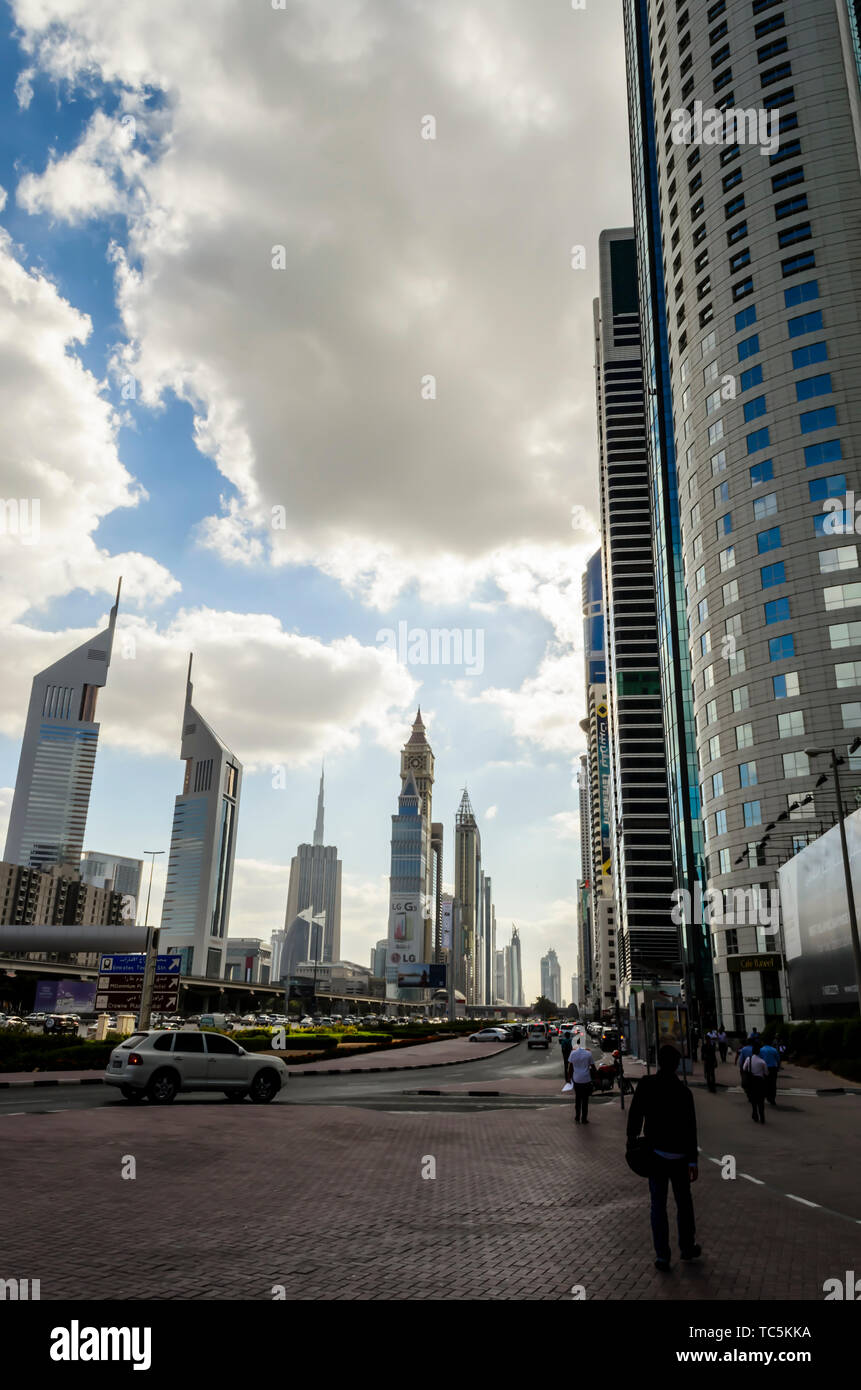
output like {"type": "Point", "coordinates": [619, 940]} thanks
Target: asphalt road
{"type": "Point", "coordinates": [388, 1091]}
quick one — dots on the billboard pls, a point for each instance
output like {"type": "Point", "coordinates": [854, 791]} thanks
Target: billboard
{"type": "Point", "coordinates": [65, 997]}
{"type": "Point", "coordinates": [815, 912]}
{"type": "Point", "coordinates": [424, 975]}
{"type": "Point", "coordinates": [446, 913]}
{"type": "Point", "coordinates": [603, 740]}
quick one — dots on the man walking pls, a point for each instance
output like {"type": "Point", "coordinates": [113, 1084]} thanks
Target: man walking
{"type": "Point", "coordinates": [580, 1062]}
{"type": "Point", "coordinates": [723, 1043]}
{"type": "Point", "coordinates": [771, 1057]}
{"type": "Point", "coordinates": [710, 1060]}
{"type": "Point", "coordinates": [744, 1076]}
{"type": "Point", "coordinates": [757, 1072]}
{"type": "Point", "coordinates": [566, 1045]}
{"type": "Point", "coordinates": [665, 1107]}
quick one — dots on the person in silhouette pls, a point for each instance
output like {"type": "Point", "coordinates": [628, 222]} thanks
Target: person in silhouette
{"type": "Point", "coordinates": [663, 1108]}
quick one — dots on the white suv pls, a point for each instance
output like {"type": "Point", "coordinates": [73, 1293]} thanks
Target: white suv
{"type": "Point", "coordinates": [159, 1065]}
{"type": "Point", "coordinates": [538, 1035]}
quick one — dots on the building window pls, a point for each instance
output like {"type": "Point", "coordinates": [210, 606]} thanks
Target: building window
{"type": "Point", "coordinates": [791, 724]}
{"type": "Point", "coordinates": [844, 635]}
{"type": "Point", "coordinates": [823, 419]}
{"type": "Point", "coordinates": [845, 557]}
{"type": "Point", "coordinates": [786, 687]}
{"type": "Point", "coordinates": [813, 386]}
{"type": "Point", "coordinates": [758, 439]}
{"type": "Point", "coordinates": [720, 822]}
{"type": "Point", "coordinates": [745, 317]}
{"type": "Point", "coordinates": [748, 347]}
{"type": "Point", "coordinates": [721, 494]}
{"type": "Point", "coordinates": [808, 356]}
{"type": "Point", "coordinates": [743, 736]}
{"type": "Point", "coordinates": [740, 699]}
{"type": "Point", "coordinates": [718, 462]}
{"type": "Point", "coordinates": [829, 451]}
{"type": "Point", "coordinates": [833, 486]}
{"type": "Point", "coordinates": [717, 784]}
{"type": "Point", "coordinates": [716, 432]}
{"type": "Point", "coordinates": [753, 409]}
{"type": "Point", "coordinates": [747, 775]}
{"type": "Point", "coordinates": [752, 812]}
{"type": "Point", "coordinates": [772, 574]}
{"type": "Point", "coordinates": [761, 473]}
{"type": "Point", "coordinates": [801, 294]}
{"type": "Point", "coordinates": [777, 611]}
{"type": "Point", "coordinates": [768, 540]}
{"type": "Point", "coordinates": [727, 558]}
{"type": "Point", "coordinates": [842, 596]}
{"type": "Point", "coordinates": [730, 593]}
{"type": "Point", "coordinates": [851, 715]}
{"type": "Point", "coordinates": [714, 748]}
{"type": "Point", "coordinates": [750, 378]}
{"type": "Point", "coordinates": [847, 673]}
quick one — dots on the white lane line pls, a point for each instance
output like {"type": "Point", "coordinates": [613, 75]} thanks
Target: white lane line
{"type": "Point", "coordinates": [792, 1197]}
{"type": "Point", "coordinates": [759, 1182]}
{"type": "Point", "coordinates": [10, 1114]}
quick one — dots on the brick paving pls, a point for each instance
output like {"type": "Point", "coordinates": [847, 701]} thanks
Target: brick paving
{"type": "Point", "coordinates": [230, 1201]}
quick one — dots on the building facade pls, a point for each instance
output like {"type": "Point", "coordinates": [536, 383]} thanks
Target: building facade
{"type": "Point", "coordinates": [551, 977]}
{"type": "Point", "coordinates": [312, 919]}
{"type": "Point", "coordinates": [467, 875]}
{"type": "Point", "coordinates": [116, 872]}
{"type": "Point", "coordinates": [646, 939]}
{"type": "Point", "coordinates": [48, 819]}
{"type": "Point", "coordinates": [748, 234]}
{"type": "Point", "coordinates": [196, 911]}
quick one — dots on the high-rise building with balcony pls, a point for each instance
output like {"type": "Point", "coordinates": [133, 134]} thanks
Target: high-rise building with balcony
{"type": "Point", "coordinates": [196, 911]}
{"type": "Point", "coordinates": [646, 938]}
{"type": "Point", "coordinates": [48, 819]}
{"type": "Point", "coordinates": [745, 121]}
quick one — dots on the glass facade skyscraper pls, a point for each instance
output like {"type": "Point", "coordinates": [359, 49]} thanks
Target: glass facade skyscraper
{"type": "Point", "coordinates": [196, 910]}
{"type": "Point", "coordinates": [48, 819]}
{"type": "Point", "coordinates": [745, 121]}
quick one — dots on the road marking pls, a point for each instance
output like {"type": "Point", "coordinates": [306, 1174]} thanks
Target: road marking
{"type": "Point", "coordinates": [759, 1182]}
{"type": "Point", "coordinates": [10, 1114]}
{"type": "Point", "coordinates": [792, 1197]}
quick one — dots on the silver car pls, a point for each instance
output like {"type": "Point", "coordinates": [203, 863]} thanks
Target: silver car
{"type": "Point", "coordinates": [158, 1065]}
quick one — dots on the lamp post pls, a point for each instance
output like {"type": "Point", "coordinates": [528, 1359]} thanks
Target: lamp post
{"type": "Point", "coordinates": [847, 870]}
{"type": "Point", "coordinates": [152, 938]}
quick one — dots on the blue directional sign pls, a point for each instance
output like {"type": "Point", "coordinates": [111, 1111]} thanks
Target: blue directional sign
{"type": "Point", "coordinates": [134, 965]}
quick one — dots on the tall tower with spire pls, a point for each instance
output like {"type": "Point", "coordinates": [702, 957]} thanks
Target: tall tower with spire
{"type": "Point", "coordinates": [312, 921]}
{"type": "Point", "coordinates": [417, 760]}
{"type": "Point", "coordinates": [196, 909]}
{"type": "Point", "coordinates": [58, 756]}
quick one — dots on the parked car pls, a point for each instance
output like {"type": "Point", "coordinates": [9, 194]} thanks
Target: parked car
{"type": "Point", "coordinates": [489, 1035]}
{"type": "Point", "coordinates": [158, 1065]}
{"type": "Point", "coordinates": [14, 1021]}
{"type": "Point", "coordinates": [537, 1035]}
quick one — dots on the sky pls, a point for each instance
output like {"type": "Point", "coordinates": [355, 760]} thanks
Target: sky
{"type": "Point", "coordinates": [296, 336]}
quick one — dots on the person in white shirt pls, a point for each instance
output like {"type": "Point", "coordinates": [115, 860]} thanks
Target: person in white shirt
{"type": "Point", "coordinates": [757, 1069]}
{"type": "Point", "coordinates": [580, 1070]}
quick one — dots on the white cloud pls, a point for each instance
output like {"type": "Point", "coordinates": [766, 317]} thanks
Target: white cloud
{"type": "Point", "coordinates": [276, 698]}
{"type": "Point", "coordinates": [404, 257]}
{"type": "Point", "coordinates": [59, 456]}
{"type": "Point", "coordinates": [491, 813]}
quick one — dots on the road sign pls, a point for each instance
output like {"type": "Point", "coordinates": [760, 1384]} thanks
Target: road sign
{"type": "Point", "coordinates": [130, 1000]}
{"type": "Point", "coordinates": [134, 965]}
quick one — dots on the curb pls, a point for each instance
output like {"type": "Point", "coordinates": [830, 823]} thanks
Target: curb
{"type": "Point", "coordinates": [55, 1081]}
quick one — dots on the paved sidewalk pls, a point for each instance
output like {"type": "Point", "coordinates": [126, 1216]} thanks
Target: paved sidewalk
{"type": "Point", "coordinates": [522, 1206]}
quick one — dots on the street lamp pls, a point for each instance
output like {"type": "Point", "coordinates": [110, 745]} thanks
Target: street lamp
{"type": "Point", "coordinates": [151, 951]}
{"type": "Point", "coordinates": [836, 763]}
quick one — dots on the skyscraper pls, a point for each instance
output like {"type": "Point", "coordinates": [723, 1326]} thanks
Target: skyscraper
{"type": "Point", "coordinates": [467, 879]}
{"type": "Point", "coordinates": [516, 970]}
{"type": "Point", "coordinates": [113, 871]}
{"type": "Point", "coordinates": [748, 241]}
{"type": "Point", "coordinates": [596, 727]}
{"type": "Point", "coordinates": [417, 758]}
{"type": "Point", "coordinates": [58, 754]}
{"type": "Point", "coordinates": [407, 885]}
{"type": "Point", "coordinates": [196, 910]}
{"type": "Point", "coordinates": [646, 939]}
{"type": "Point", "coordinates": [551, 977]}
{"type": "Point", "coordinates": [314, 891]}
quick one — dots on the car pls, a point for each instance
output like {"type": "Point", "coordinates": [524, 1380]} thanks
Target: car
{"type": "Point", "coordinates": [158, 1065]}
{"type": "Point", "coordinates": [490, 1035]}
{"type": "Point", "coordinates": [14, 1021]}
{"type": "Point", "coordinates": [57, 1024]}
{"type": "Point", "coordinates": [537, 1035]}
{"type": "Point", "coordinates": [609, 1039]}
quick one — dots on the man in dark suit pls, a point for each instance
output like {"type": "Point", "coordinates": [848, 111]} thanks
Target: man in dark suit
{"type": "Point", "coordinates": [663, 1108]}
